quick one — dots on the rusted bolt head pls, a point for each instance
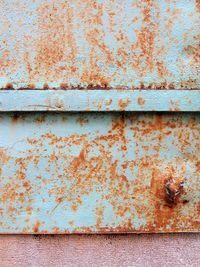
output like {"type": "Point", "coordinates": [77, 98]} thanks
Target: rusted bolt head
{"type": "Point", "coordinates": [173, 190]}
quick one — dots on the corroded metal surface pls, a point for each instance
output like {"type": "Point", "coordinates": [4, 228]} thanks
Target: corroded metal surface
{"type": "Point", "coordinates": [102, 44]}
{"type": "Point", "coordinates": [97, 172]}
{"type": "Point", "coordinates": [100, 100]}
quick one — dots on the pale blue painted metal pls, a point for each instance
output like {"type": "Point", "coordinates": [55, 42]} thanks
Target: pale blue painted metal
{"type": "Point", "coordinates": [66, 165]}
{"type": "Point", "coordinates": [99, 172]}
{"type": "Point", "coordinates": [114, 44]}
{"type": "Point", "coordinates": [100, 100]}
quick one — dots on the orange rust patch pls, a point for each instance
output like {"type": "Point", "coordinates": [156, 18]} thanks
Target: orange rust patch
{"type": "Point", "coordinates": [9, 86]}
{"type": "Point", "coordinates": [171, 86]}
{"type": "Point", "coordinates": [123, 103]}
{"type": "Point", "coordinates": [198, 5]}
{"type": "Point", "coordinates": [45, 86]}
{"type": "Point", "coordinates": [71, 223]}
{"type": "Point", "coordinates": [27, 220]}
{"type": "Point", "coordinates": [198, 166]}
{"type": "Point", "coordinates": [141, 101]}
{"type": "Point", "coordinates": [31, 86]}
{"type": "Point", "coordinates": [64, 86]}
{"type": "Point", "coordinates": [74, 208]}
{"type": "Point", "coordinates": [3, 157]}
{"type": "Point", "coordinates": [82, 156]}
{"type": "Point", "coordinates": [36, 227]}
{"type": "Point", "coordinates": [29, 210]}
{"type": "Point", "coordinates": [175, 105]}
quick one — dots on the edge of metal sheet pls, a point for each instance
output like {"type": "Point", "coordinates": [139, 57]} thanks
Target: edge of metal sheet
{"type": "Point", "coordinates": [100, 100]}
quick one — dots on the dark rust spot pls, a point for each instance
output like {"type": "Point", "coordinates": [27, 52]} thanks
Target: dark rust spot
{"type": "Point", "coordinates": [38, 236]}
{"type": "Point", "coordinates": [198, 5]}
{"type": "Point", "coordinates": [9, 86]}
{"type": "Point", "coordinates": [45, 86]}
{"type": "Point", "coordinates": [15, 118]}
{"type": "Point", "coordinates": [185, 201]}
{"type": "Point", "coordinates": [173, 190]}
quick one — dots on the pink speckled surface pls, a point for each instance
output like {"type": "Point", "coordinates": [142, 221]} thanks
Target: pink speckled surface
{"type": "Point", "coordinates": [100, 250]}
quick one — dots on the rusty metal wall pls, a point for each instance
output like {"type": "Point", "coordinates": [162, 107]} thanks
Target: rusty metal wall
{"type": "Point", "coordinates": [99, 172]}
{"type": "Point", "coordinates": [100, 44]}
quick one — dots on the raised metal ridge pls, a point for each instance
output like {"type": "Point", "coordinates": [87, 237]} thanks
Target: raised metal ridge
{"type": "Point", "coordinates": [100, 100]}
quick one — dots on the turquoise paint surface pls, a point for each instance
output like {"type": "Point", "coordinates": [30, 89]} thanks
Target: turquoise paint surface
{"type": "Point", "coordinates": [121, 44]}
{"type": "Point", "coordinates": [42, 150]}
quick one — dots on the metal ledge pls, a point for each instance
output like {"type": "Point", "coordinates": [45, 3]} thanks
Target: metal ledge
{"type": "Point", "coordinates": [100, 100]}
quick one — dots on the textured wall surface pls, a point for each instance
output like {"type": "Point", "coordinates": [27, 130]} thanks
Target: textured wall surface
{"type": "Point", "coordinates": [110, 250]}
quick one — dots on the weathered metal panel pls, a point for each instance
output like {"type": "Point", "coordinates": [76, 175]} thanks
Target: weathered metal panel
{"type": "Point", "coordinates": [100, 100]}
{"type": "Point", "coordinates": [109, 44]}
{"type": "Point", "coordinates": [99, 172]}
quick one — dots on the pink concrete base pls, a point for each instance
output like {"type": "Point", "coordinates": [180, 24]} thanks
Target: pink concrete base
{"type": "Point", "coordinates": [100, 250]}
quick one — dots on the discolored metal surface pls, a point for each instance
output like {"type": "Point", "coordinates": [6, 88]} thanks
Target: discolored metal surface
{"type": "Point", "coordinates": [100, 44]}
{"type": "Point", "coordinates": [99, 172]}
{"type": "Point", "coordinates": [100, 100]}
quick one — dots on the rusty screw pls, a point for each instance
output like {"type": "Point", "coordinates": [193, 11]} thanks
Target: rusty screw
{"type": "Point", "coordinates": [173, 191]}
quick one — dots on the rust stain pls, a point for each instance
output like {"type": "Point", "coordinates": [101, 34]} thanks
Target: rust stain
{"type": "Point", "coordinates": [123, 103]}
{"type": "Point", "coordinates": [198, 5]}
{"type": "Point", "coordinates": [71, 222]}
{"type": "Point", "coordinates": [146, 35]}
{"type": "Point", "coordinates": [9, 86]}
{"type": "Point", "coordinates": [82, 156]}
{"type": "Point", "coordinates": [175, 105]}
{"type": "Point", "coordinates": [173, 190]}
{"type": "Point", "coordinates": [36, 227]}
{"type": "Point", "coordinates": [3, 159]}
{"type": "Point", "coordinates": [82, 121]}
{"type": "Point", "coordinates": [15, 118]}
{"type": "Point", "coordinates": [51, 41]}
{"type": "Point", "coordinates": [198, 166]}
{"type": "Point", "coordinates": [46, 86]}
{"type": "Point", "coordinates": [171, 85]}
{"type": "Point", "coordinates": [141, 101]}
{"type": "Point", "coordinates": [108, 103]}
